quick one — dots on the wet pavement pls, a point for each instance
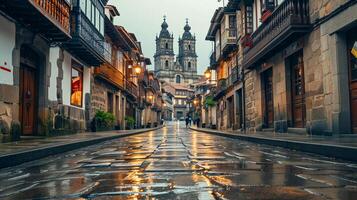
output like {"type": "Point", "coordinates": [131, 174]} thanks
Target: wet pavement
{"type": "Point", "coordinates": [177, 163]}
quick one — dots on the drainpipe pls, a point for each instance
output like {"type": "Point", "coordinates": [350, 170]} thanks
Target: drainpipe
{"type": "Point", "coordinates": [243, 101]}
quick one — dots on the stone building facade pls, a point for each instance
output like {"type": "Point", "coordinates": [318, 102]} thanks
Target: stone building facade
{"type": "Point", "coordinates": [183, 70]}
{"type": "Point", "coordinates": [297, 67]}
{"type": "Point", "coordinates": [301, 85]}
{"type": "Point", "coordinates": [45, 85]}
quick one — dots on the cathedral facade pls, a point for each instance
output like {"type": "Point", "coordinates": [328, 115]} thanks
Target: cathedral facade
{"type": "Point", "coordinates": [183, 69]}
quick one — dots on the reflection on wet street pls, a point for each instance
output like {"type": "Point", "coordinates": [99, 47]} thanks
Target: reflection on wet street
{"type": "Point", "coordinates": [176, 163]}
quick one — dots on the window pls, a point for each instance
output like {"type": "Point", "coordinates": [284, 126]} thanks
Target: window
{"type": "Point", "coordinates": [167, 64]}
{"type": "Point", "coordinates": [88, 9]}
{"type": "Point", "coordinates": [248, 19]}
{"type": "Point", "coordinates": [101, 24]}
{"type": "Point", "coordinates": [189, 65]}
{"type": "Point", "coordinates": [76, 84]}
{"type": "Point", "coordinates": [166, 45]}
{"type": "Point", "coordinates": [82, 4]}
{"type": "Point", "coordinates": [97, 21]}
{"type": "Point", "coordinates": [189, 47]}
{"type": "Point", "coordinates": [178, 79]}
{"type": "Point", "coordinates": [232, 20]}
{"type": "Point", "coordinates": [110, 107]}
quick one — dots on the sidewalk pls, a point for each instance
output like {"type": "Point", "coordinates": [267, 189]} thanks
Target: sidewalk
{"type": "Point", "coordinates": [15, 153]}
{"type": "Point", "coordinates": [338, 146]}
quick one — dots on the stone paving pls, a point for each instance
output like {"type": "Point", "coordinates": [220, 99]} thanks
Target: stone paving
{"type": "Point", "coordinates": [177, 163]}
{"type": "Point", "coordinates": [30, 143]}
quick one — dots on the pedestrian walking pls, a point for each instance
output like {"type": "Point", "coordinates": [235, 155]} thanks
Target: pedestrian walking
{"type": "Point", "coordinates": [187, 121]}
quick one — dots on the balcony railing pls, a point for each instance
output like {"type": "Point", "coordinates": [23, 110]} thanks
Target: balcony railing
{"type": "Point", "coordinates": [288, 21]}
{"type": "Point", "coordinates": [57, 10]}
{"type": "Point", "coordinates": [87, 43]}
{"type": "Point", "coordinates": [51, 18]}
{"type": "Point", "coordinates": [110, 74]}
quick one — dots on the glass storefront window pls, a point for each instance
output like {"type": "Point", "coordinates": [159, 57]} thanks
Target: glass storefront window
{"type": "Point", "coordinates": [76, 85]}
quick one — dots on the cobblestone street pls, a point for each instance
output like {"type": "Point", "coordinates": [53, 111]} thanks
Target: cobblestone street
{"type": "Point", "coordinates": [176, 163]}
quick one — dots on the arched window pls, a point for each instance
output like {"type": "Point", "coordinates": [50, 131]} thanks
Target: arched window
{"type": "Point", "coordinates": [189, 65]}
{"type": "Point", "coordinates": [189, 47]}
{"type": "Point", "coordinates": [166, 45]}
{"type": "Point", "coordinates": [178, 79]}
{"type": "Point", "coordinates": [166, 63]}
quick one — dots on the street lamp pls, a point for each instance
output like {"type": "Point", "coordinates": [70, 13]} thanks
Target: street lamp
{"type": "Point", "coordinates": [137, 69]}
{"type": "Point", "coordinates": [208, 74]}
{"type": "Point", "coordinates": [150, 98]}
{"type": "Point", "coordinates": [195, 102]}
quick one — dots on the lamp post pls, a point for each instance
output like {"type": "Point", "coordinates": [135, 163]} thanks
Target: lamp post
{"type": "Point", "coordinates": [208, 74]}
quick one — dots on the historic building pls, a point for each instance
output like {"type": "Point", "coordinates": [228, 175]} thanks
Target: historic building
{"type": "Point", "coordinates": [183, 70]}
{"type": "Point", "coordinates": [298, 69]}
{"type": "Point", "coordinates": [65, 62]}
{"type": "Point", "coordinates": [45, 64]}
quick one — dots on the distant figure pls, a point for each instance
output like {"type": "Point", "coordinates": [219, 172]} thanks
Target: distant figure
{"type": "Point", "coordinates": [198, 122]}
{"type": "Point", "coordinates": [187, 121]}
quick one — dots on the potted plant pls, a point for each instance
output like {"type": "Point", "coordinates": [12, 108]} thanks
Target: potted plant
{"type": "Point", "coordinates": [103, 121]}
{"type": "Point", "coordinates": [130, 122]}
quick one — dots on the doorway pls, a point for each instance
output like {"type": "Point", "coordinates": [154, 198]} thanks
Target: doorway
{"type": "Point", "coordinates": [268, 103]}
{"type": "Point", "coordinates": [28, 89]}
{"type": "Point", "coordinates": [230, 118]}
{"type": "Point", "coordinates": [352, 65]}
{"type": "Point", "coordinates": [239, 110]}
{"type": "Point", "coordinates": [297, 90]}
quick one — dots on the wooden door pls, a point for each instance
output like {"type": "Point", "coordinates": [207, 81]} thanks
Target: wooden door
{"type": "Point", "coordinates": [230, 118]}
{"type": "Point", "coordinates": [298, 91]}
{"type": "Point", "coordinates": [351, 39]}
{"type": "Point", "coordinates": [28, 98]}
{"type": "Point", "coordinates": [239, 110]}
{"type": "Point", "coordinates": [268, 98]}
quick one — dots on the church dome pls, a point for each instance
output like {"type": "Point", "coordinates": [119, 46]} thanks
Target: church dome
{"type": "Point", "coordinates": [164, 33]}
{"type": "Point", "coordinates": [187, 34]}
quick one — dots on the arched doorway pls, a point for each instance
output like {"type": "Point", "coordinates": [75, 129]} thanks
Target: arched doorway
{"type": "Point", "coordinates": [28, 88]}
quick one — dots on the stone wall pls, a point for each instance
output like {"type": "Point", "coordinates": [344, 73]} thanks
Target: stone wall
{"type": "Point", "coordinates": [253, 96]}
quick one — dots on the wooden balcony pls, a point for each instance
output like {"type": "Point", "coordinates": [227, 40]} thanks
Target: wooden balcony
{"type": "Point", "coordinates": [213, 61]}
{"type": "Point", "coordinates": [50, 18]}
{"type": "Point", "coordinates": [221, 88]}
{"type": "Point", "coordinates": [109, 73]}
{"type": "Point", "coordinates": [87, 43]}
{"type": "Point", "coordinates": [289, 21]}
{"type": "Point", "coordinates": [131, 89]}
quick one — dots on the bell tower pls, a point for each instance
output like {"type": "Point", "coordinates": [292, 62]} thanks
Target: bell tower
{"type": "Point", "coordinates": [164, 56]}
{"type": "Point", "coordinates": [187, 56]}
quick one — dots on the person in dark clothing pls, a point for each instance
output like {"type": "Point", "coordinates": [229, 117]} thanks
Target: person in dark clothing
{"type": "Point", "coordinates": [198, 122]}
{"type": "Point", "coordinates": [187, 121]}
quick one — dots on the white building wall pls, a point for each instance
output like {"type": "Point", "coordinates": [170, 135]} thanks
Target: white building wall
{"type": "Point", "coordinates": [7, 44]}
{"type": "Point", "coordinates": [54, 55]}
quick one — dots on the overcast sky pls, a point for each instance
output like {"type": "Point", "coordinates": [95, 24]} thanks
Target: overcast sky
{"type": "Point", "coordinates": [144, 18]}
